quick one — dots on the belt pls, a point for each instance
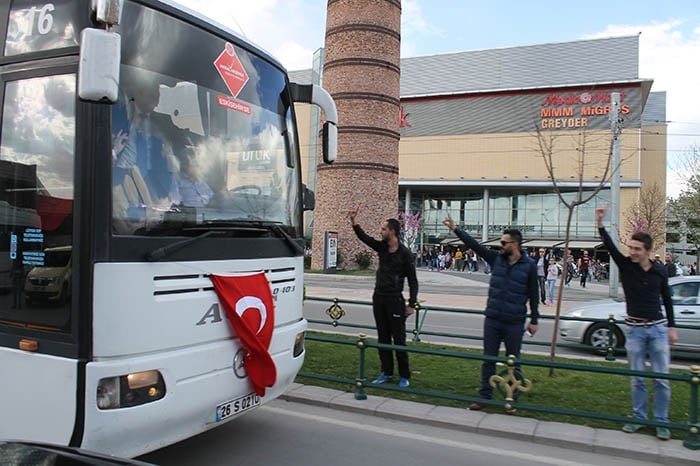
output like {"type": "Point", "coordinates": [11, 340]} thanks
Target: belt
{"type": "Point", "coordinates": [639, 322]}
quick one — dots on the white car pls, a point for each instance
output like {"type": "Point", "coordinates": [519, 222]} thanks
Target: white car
{"type": "Point", "coordinates": [685, 292]}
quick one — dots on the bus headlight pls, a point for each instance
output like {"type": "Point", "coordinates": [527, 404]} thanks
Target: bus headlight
{"type": "Point", "coordinates": [298, 344]}
{"type": "Point", "coordinates": [130, 390]}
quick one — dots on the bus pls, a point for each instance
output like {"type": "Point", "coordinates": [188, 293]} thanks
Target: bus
{"type": "Point", "coordinates": [159, 150]}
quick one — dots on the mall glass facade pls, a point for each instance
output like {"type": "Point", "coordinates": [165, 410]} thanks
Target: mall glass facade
{"type": "Point", "coordinates": [538, 214]}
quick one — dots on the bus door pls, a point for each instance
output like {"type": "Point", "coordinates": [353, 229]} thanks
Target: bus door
{"type": "Point", "coordinates": [38, 353]}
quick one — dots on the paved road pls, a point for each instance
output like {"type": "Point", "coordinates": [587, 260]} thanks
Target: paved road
{"type": "Point", "coordinates": [292, 433]}
{"type": "Point", "coordinates": [437, 289]}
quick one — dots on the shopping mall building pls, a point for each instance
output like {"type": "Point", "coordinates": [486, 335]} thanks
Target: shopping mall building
{"type": "Point", "coordinates": [476, 126]}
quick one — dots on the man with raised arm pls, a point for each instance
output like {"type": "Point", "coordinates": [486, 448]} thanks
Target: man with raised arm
{"type": "Point", "coordinates": [646, 285]}
{"type": "Point", "coordinates": [388, 304]}
{"type": "Point", "coordinates": [513, 283]}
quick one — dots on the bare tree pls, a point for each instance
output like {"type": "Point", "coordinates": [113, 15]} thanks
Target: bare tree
{"type": "Point", "coordinates": [686, 207]}
{"type": "Point", "coordinates": [687, 167]}
{"type": "Point", "coordinates": [648, 213]}
{"type": "Point", "coordinates": [584, 171]}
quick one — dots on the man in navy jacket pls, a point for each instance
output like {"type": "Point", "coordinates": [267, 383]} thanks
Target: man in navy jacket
{"type": "Point", "coordinates": [513, 283]}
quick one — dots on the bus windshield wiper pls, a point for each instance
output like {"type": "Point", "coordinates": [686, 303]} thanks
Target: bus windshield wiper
{"type": "Point", "coordinates": [256, 224]}
{"type": "Point", "coordinates": [160, 253]}
{"type": "Point", "coordinates": [219, 227]}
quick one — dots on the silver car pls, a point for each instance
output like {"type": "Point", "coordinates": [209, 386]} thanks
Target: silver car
{"type": "Point", "coordinates": [685, 292]}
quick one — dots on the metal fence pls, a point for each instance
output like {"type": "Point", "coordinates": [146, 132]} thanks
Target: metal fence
{"type": "Point", "coordinates": [508, 382]}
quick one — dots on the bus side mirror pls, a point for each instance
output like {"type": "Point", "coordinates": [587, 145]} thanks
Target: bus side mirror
{"type": "Point", "coordinates": [98, 75]}
{"type": "Point", "coordinates": [330, 142]}
{"type": "Point", "coordinates": [315, 94]}
{"type": "Point", "coordinates": [308, 199]}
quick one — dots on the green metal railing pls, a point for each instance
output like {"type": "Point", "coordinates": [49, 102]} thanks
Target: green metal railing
{"type": "Point", "coordinates": [508, 382]}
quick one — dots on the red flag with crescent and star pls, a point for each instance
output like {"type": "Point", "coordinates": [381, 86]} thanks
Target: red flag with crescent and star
{"type": "Point", "coordinates": [248, 304]}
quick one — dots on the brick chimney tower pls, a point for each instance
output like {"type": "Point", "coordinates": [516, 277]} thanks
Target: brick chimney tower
{"type": "Point", "coordinates": [362, 73]}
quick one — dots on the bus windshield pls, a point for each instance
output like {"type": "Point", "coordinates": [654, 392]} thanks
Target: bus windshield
{"type": "Point", "coordinates": [200, 137]}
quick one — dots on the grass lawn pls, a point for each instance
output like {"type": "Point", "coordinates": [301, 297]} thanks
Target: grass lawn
{"type": "Point", "coordinates": [608, 394]}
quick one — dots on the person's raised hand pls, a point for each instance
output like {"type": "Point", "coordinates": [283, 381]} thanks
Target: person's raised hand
{"type": "Point", "coordinates": [448, 222]}
{"type": "Point", "coordinates": [599, 214]}
{"type": "Point", "coordinates": [351, 215]}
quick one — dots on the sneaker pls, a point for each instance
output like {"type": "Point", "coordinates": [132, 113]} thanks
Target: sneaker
{"type": "Point", "coordinates": [663, 433]}
{"type": "Point", "coordinates": [476, 407]}
{"type": "Point", "coordinates": [631, 428]}
{"type": "Point", "coordinates": [511, 411]}
{"type": "Point", "coordinates": [404, 383]}
{"type": "Point", "coordinates": [383, 378]}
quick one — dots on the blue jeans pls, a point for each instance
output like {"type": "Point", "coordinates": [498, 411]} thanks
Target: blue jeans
{"type": "Point", "coordinates": [653, 340]}
{"type": "Point", "coordinates": [551, 284]}
{"type": "Point", "coordinates": [495, 332]}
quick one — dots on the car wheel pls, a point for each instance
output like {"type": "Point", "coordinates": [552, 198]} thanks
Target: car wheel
{"type": "Point", "coordinates": [597, 337]}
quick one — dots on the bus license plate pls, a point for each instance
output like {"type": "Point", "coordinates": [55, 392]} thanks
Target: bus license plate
{"type": "Point", "coordinates": [233, 407]}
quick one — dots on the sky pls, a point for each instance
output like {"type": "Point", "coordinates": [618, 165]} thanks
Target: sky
{"type": "Point", "coordinates": [291, 30]}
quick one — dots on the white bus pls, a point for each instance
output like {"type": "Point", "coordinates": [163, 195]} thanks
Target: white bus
{"type": "Point", "coordinates": [160, 149]}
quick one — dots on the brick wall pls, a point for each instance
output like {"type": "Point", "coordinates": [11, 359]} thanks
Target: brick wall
{"type": "Point", "coordinates": [362, 73]}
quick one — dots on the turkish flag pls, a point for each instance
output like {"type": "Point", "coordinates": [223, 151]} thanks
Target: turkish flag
{"type": "Point", "coordinates": [248, 304]}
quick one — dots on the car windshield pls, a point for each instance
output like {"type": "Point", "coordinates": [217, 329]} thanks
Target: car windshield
{"type": "Point", "coordinates": [56, 258]}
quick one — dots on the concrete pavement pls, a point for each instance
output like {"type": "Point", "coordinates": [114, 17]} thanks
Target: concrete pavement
{"type": "Point", "coordinates": [583, 438]}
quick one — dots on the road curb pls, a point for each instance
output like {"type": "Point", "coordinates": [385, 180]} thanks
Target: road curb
{"type": "Point", "coordinates": [582, 438]}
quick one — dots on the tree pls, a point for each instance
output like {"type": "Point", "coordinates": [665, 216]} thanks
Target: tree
{"type": "Point", "coordinates": [686, 208]}
{"type": "Point", "coordinates": [410, 228]}
{"type": "Point", "coordinates": [548, 150]}
{"type": "Point", "coordinates": [648, 214]}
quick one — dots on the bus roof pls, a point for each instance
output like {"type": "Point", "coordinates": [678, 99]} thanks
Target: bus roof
{"type": "Point", "coordinates": [197, 18]}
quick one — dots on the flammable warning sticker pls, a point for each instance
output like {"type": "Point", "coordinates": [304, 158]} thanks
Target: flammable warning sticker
{"type": "Point", "coordinates": [231, 70]}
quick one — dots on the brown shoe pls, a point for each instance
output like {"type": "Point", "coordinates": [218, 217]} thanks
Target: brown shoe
{"type": "Point", "coordinates": [476, 407]}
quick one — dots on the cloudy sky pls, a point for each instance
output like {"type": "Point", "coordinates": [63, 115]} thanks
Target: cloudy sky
{"type": "Point", "coordinates": [669, 43]}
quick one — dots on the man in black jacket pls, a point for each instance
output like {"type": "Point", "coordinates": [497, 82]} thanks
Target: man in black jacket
{"type": "Point", "coordinates": [388, 304]}
{"type": "Point", "coordinates": [649, 330]}
{"type": "Point", "coordinates": [670, 267]}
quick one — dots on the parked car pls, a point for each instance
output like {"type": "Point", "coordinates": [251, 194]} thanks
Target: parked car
{"type": "Point", "coordinates": [685, 292]}
{"type": "Point", "coordinates": [51, 281]}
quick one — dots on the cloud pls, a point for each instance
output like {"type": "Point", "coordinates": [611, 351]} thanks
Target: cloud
{"type": "Point", "coordinates": [260, 21]}
{"type": "Point", "coordinates": [415, 27]}
{"type": "Point", "coordinates": [667, 52]}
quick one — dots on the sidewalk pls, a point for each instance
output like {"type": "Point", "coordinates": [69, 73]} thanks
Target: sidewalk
{"type": "Point", "coordinates": [582, 438]}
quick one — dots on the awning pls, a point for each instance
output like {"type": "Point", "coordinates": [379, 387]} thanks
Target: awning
{"type": "Point", "coordinates": [451, 241]}
{"type": "Point", "coordinates": [541, 243]}
{"type": "Point", "coordinates": [582, 244]}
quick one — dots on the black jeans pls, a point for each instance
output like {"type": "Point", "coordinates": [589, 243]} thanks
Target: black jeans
{"type": "Point", "coordinates": [584, 275]}
{"type": "Point", "coordinates": [495, 332]}
{"type": "Point", "coordinates": [543, 288]}
{"type": "Point", "coordinates": [390, 318]}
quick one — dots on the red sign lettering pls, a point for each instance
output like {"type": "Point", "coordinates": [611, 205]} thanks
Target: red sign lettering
{"type": "Point", "coordinates": [588, 98]}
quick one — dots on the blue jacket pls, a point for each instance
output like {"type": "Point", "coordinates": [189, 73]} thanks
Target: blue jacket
{"type": "Point", "coordinates": [511, 286]}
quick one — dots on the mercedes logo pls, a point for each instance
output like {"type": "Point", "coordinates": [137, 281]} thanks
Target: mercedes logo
{"type": "Point", "coordinates": [239, 364]}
